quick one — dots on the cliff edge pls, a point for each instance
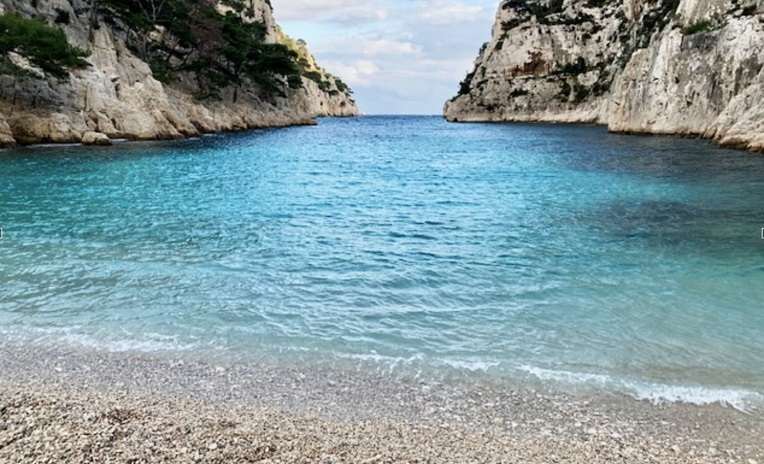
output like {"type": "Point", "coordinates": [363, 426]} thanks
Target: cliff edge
{"type": "Point", "coordinates": [169, 92]}
{"type": "Point", "coordinates": [685, 67]}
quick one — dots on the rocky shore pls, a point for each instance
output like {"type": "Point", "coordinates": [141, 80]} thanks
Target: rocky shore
{"type": "Point", "coordinates": [117, 95]}
{"type": "Point", "coordinates": [65, 405]}
{"type": "Point", "coordinates": [673, 67]}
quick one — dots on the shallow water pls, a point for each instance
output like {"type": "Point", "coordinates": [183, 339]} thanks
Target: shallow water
{"type": "Point", "coordinates": [517, 253]}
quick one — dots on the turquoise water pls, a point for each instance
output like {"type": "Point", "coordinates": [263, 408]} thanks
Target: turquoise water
{"type": "Point", "coordinates": [518, 253]}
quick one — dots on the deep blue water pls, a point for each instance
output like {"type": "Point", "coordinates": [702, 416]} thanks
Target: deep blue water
{"type": "Point", "coordinates": [518, 253]}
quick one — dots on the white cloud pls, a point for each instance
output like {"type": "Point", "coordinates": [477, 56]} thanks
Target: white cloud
{"type": "Point", "coordinates": [443, 12]}
{"type": "Point", "coordinates": [399, 56]}
{"type": "Point", "coordinates": [368, 46]}
{"type": "Point", "coordinates": [356, 73]}
{"type": "Point", "coordinates": [347, 12]}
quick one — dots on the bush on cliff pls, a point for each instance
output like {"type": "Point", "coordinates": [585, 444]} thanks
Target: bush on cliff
{"type": "Point", "coordinates": [697, 27]}
{"type": "Point", "coordinates": [219, 49]}
{"type": "Point", "coordinates": [44, 46]}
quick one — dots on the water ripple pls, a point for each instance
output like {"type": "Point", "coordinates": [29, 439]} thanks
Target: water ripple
{"type": "Point", "coordinates": [403, 243]}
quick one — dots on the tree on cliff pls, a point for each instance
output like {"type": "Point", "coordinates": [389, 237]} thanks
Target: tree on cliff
{"type": "Point", "coordinates": [220, 49]}
{"type": "Point", "coordinates": [44, 46]}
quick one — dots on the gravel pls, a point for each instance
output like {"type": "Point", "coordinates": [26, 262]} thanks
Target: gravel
{"type": "Point", "coordinates": [65, 405]}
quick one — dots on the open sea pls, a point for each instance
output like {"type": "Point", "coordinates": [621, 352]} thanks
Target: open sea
{"type": "Point", "coordinates": [525, 254]}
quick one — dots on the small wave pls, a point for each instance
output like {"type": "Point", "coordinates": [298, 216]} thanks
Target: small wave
{"type": "Point", "coordinates": [381, 358]}
{"type": "Point", "coordinates": [657, 393]}
{"type": "Point", "coordinates": [387, 363]}
{"type": "Point", "coordinates": [391, 362]}
{"type": "Point", "coordinates": [470, 365]}
{"type": "Point", "coordinates": [128, 345]}
{"type": "Point", "coordinates": [148, 343]}
{"type": "Point", "coordinates": [742, 400]}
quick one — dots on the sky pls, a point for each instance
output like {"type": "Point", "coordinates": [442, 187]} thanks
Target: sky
{"type": "Point", "coordinates": [398, 56]}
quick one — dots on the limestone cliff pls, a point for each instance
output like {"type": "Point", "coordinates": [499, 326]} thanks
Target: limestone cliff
{"type": "Point", "coordinates": [686, 67]}
{"type": "Point", "coordinates": [119, 96]}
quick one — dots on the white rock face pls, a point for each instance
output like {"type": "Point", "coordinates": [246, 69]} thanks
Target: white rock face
{"type": "Point", "coordinates": [118, 96]}
{"type": "Point", "coordinates": [636, 65]}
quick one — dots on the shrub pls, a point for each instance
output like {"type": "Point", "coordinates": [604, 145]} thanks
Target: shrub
{"type": "Point", "coordinates": [341, 86]}
{"type": "Point", "coordinates": [219, 49]}
{"type": "Point", "coordinates": [565, 90]}
{"type": "Point", "coordinates": [45, 47]}
{"type": "Point", "coordinates": [581, 93]}
{"type": "Point", "coordinates": [62, 17]}
{"type": "Point", "coordinates": [464, 86]}
{"type": "Point", "coordinates": [697, 27]}
{"type": "Point", "coordinates": [577, 67]}
{"type": "Point", "coordinates": [313, 75]}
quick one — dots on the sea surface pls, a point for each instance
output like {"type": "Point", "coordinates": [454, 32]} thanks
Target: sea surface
{"type": "Point", "coordinates": [512, 253]}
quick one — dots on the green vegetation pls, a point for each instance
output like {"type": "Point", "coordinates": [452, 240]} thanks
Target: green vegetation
{"type": "Point", "coordinates": [44, 46]}
{"type": "Point", "coordinates": [62, 17]}
{"type": "Point", "coordinates": [750, 9]}
{"type": "Point", "coordinates": [581, 93]}
{"type": "Point", "coordinates": [546, 12]}
{"type": "Point", "coordinates": [565, 89]}
{"type": "Point", "coordinates": [697, 27]}
{"type": "Point", "coordinates": [604, 81]}
{"type": "Point", "coordinates": [575, 68]}
{"type": "Point", "coordinates": [537, 8]}
{"type": "Point", "coordinates": [341, 86]}
{"type": "Point", "coordinates": [658, 18]}
{"type": "Point", "coordinates": [599, 3]}
{"type": "Point", "coordinates": [464, 86]}
{"type": "Point", "coordinates": [220, 50]}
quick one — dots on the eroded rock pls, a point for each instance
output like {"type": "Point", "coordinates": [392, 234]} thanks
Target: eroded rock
{"type": "Point", "coordinates": [117, 95]}
{"type": "Point", "coordinates": [689, 67]}
{"type": "Point", "coordinates": [95, 138]}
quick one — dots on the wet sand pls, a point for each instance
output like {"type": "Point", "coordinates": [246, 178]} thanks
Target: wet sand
{"type": "Point", "coordinates": [66, 405]}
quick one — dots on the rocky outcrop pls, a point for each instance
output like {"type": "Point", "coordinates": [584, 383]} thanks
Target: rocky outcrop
{"type": "Point", "coordinates": [118, 95]}
{"type": "Point", "coordinates": [95, 138]}
{"type": "Point", "coordinates": [686, 67]}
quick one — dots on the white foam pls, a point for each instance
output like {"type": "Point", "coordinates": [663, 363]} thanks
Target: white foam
{"type": "Point", "coordinates": [381, 358]}
{"type": "Point", "coordinates": [658, 393]}
{"type": "Point", "coordinates": [567, 376]}
{"type": "Point", "coordinates": [389, 362]}
{"type": "Point", "coordinates": [742, 400]}
{"type": "Point", "coordinates": [147, 343]}
{"type": "Point", "coordinates": [470, 365]}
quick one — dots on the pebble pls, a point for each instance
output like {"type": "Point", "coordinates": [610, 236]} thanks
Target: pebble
{"type": "Point", "coordinates": [289, 417]}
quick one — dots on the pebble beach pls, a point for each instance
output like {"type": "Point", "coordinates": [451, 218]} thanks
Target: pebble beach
{"type": "Point", "coordinates": [66, 405]}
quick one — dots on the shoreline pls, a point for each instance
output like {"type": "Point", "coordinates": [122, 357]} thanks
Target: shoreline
{"type": "Point", "coordinates": [131, 139]}
{"type": "Point", "coordinates": [732, 144]}
{"type": "Point", "coordinates": [314, 121]}
{"type": "Point", "coordinates": [113, 404]}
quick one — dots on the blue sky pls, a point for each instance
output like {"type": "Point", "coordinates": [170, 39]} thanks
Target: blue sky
{"type": "Point", "coordinates": [399, 56]}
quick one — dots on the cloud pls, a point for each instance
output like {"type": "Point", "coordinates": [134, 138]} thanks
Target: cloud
{"type": "Point", "coordinates": [443, 12]}
{"type": "Point", "coordinates": [399, 56]}
{"type": "Point", "coordinates": [356, 73]}
{"type": "Point", "coordinates": [367, 46]}
{"type": "Point", "coordinates": [343, 12]}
